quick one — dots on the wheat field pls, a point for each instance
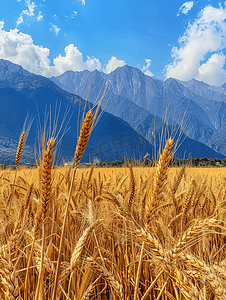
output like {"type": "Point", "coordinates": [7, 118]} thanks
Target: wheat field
{"type": "Point", "coordinates": [113, 233]}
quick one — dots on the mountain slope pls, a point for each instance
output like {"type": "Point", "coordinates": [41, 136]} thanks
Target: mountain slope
{"type": "Point", "coordinates": [205, 90]}
{"type": "Point", "coordinates": [22, 92]}
{"type": "Point", "coordinates": [136, 98]}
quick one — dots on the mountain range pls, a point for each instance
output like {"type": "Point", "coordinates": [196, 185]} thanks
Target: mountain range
{"type": "Point", "coordinates": [129, 126]}
{"type": "Point", "coordinates": [145, 102]}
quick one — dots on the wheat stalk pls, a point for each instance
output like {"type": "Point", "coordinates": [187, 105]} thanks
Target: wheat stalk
{"type": "Point", "coordinates": [117, 286]}
{"type": "Point", "coordinates": [45, 199]}
{"type": "Point", "coordinates": [132, 184]}
{"type": "Point", "coordinates": [80, 148]}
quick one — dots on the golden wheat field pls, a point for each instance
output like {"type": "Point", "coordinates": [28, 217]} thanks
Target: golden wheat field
{"type": "Point", "coordinates": [128, 233]}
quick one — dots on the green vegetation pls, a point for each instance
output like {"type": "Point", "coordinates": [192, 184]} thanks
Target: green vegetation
{"type": "Point", "coordinates": [175, 162]}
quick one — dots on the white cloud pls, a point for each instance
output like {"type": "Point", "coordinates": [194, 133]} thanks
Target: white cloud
{"type": "Point", "coordinates": [19, 48]}
{"type": "Point", "coordinates": [113, 64]}
{"type": "Point", "coordinates": [149, 73]}
{"type": "Point", "coordinates": [73, 60]}
{"type": "Point", "coordinates": [19, 20]}
{"type": "Point", "coordinates": [31, 7]}
{"type": "Point", "coordinates": [83, 2]}
{"type": "Point", "coordinates": [40, 16]}
{"type": "Point", "coordinates": [2, 25]}
{"type": "Point", "coordinates": [28, 12]}
{"type": "Point", "coordinates": [206, 35]}
{"type": "Point", "coordinates": [184, 9]}
{"type": "Point", "coordinates": [74, 14]}
{"type": "Point", "coordinates": [93, 63]}
{"type": "Point", "coordinates": [55, 29]}
{"type": "Point", "coordinates": [212, 71]}
{"type": "Point", "coordinates": [145, 68]}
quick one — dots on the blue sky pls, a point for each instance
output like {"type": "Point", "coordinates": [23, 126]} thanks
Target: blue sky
{"type": "Point", "coordinates": [162, 38]}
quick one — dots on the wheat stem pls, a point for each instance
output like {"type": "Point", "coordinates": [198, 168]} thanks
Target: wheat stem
{"type": "Point", "coordinates": [80, 148]}
{"type": "Point", "coordinates": [138, 272]}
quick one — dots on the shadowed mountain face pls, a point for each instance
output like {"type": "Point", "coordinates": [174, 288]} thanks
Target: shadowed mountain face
{"type": "Point", "coordinates": [143, 102]}
{"type": "Point", "coordinates": [112, 138]}
{"type": "Point", "coordinates": [22, 92]}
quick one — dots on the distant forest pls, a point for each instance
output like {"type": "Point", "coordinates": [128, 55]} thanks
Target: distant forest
{"type": "Point", "coordinates": [175, 162]}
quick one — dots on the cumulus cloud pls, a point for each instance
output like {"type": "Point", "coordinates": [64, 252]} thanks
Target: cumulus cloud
{"type": "Point", "coordinates": [206, 35]}
{"type": "Point", "coordinates": [19, 48]}
{"type": "Point", "coordinates": [113, 64]}
{"type": "Point", "coordinates": [73, 60]}
{"type": "Point", "coordinates": [212, 71]}
{"type": "Point", "coordinates": [55, 29]}
{"type": "Point", "coordinates": [184, 9]}
{"type": "Point", "coordinates": [27, 12]}
{"type": "Point", "coordinates": [145, 68]}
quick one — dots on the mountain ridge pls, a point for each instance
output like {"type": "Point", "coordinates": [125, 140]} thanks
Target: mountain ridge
{"type": "Point", "coordinates": [204, 117]}
{"type": "Point", "coordinates": [112, 138]}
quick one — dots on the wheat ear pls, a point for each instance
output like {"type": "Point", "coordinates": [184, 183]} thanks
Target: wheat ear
{"type": "Point", "coordinates": [46, 177]}
{"type": "Point", "coordinates": [83, 137]}
{"type": "Point", "coordinates": [160, 178]}
{"type": "Point", "coordinates": [77, 251]}
{"type": "Point", "coordinates": [132, 184]}
{"type": "Point", "coordinates": [90, 289]}
{"type": "Point", "coordinates": [79, 246]}
{"type": "Point", "coordinates": [8, 281]}
{"type": "Point", "coordinates": [175, 187]}
{"type": "Point", "coordinates": [191, 233]}
{"type": "Point", "coordinates": [177, 181]}
{"type": "Point", "coordinates": [153, 243]}
{"type": "Point", "coordinates": [187, 202]}
{"type": "Point", "coordinates": [199, 268]}
{"type": "Point", "coordinates": [20, 148]}
{"type": "Point", "coordinates": [117, 286]}
{"type": "Point", "coordinates": [80, 148]}
{"type": "Point", "coordinates": [188, 292]}
{"type": "Point", "coordinates": [161, 171]}
{"type": "Point", "coordinates": [175, 220]}
{"type": "Point", "coordinates": [17, 161]}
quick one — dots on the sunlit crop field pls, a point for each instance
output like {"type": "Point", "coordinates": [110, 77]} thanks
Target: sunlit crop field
{"type": "Point", "coordinates": [131, 233]}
